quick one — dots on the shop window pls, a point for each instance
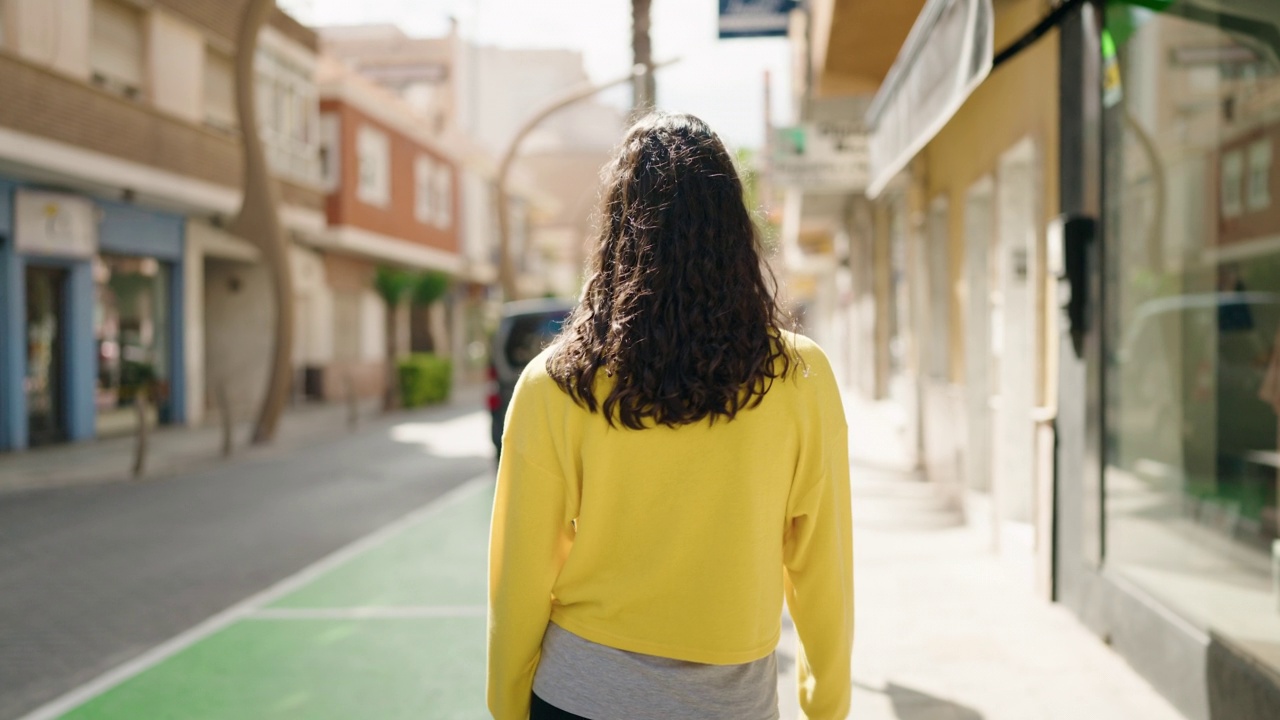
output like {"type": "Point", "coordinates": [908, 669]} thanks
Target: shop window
{"type": "Point", "coordinates": [1259, 176]}
{"type": "Point", "coordinates": [424, 188]}
{"type": "Point", "coordinates": [1192, 331]}
{"type": "Point", "coordinates": [131, 331]}
{"type": "Point", "coordinates": [116, 47]}
{"type": "Point", "coordinates": [219, 90]}
{"type": "Point", "coordinates": [373, 157]}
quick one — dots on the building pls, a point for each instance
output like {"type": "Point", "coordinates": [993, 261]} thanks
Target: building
{"type": "Point", "coordinates": [477, 97]}
{"type": "Point", "coordinates": [1064, 271]}
{"type": "Point", "coordinates": [119, 163]}
{"type": "Point", "coordinates": [392, 201]}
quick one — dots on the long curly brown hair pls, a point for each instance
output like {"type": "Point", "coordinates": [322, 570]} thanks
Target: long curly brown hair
{"type": "Point", "coordinates": [678, 308]}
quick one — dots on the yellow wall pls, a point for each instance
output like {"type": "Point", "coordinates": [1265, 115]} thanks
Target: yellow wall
{"type": "Point", "coordinates": [1019, 100]}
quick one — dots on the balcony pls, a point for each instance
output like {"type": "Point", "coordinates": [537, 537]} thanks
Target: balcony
{"type": "Point", "coordinates": [49, 105]}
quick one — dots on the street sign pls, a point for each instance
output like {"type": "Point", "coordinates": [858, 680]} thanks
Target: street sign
{"type": "Point", "coordinates": [755, 18]}
{"type": "Point", "coordinates": [820, 158]}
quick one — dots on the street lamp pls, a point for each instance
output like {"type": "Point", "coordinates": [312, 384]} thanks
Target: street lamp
{"type": "Point", "coordinates": [506, 266]}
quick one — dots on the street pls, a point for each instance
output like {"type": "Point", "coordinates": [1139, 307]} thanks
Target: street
{"type": "Point", "coordinates": [92, 577]}
{"type": "Point", "coordinates": [347, 579]}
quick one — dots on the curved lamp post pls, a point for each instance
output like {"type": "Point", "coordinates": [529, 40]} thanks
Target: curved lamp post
{"type": "Point", "coordinates": [506, 266]}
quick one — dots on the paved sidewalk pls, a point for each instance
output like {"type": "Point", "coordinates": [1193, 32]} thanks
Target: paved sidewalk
{"type": "Point", "coordinates": [945, 631]}
{"type": "Point", "coordinates": [176, 450]}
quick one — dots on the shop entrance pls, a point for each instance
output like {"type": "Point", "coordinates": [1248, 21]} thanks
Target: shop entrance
{"type": "Point", "coordinates": [46, 355]}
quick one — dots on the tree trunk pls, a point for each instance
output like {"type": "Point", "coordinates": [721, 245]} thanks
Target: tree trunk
{"type": "Point", "coordinates": [228, 423]}
{"type": "Point", "coordinates": [391, 397]}
{"type": "Point", "coordinates": [422, 318]}
{"type": "Point", "coordinates": [259, 220]}
{"type": "Point", "coordinates": [645, 95]}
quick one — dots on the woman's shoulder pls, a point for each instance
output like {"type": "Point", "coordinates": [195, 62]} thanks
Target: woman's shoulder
{"type": "Point", "coordinates": [797, 342]}
{"type": "Point", "coordinates": [806, 354]}
{"type": "Point", "coordinates": [535, 377]}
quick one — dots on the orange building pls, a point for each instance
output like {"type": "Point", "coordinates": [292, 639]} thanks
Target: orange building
{"type": "Point", "coordinates": [391, 201]}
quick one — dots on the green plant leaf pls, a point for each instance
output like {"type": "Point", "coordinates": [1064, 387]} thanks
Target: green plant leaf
{"type": "Point", "coordinates": [429, 287]}
{"type": "Point", "coordinates": [392, 284]}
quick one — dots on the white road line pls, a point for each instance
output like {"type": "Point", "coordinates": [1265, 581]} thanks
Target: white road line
{"type": "Point", "coordinates": [248, 607]}
{"type": "Point", "coordinates": [370, 613]}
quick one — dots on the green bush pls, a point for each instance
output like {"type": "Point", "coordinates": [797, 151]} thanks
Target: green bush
{"type": "Point", "coordinates": [424, 379]}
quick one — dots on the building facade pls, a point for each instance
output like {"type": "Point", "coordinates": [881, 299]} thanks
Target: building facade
{"type": "Point", "coordinates": [116, 173]}
{"type": "Point", "coordinates": [393, 201]}
{"type": "Point", "coordinates": [472, 99]}
{"type": "Point", "coordinates": [1066, 256]}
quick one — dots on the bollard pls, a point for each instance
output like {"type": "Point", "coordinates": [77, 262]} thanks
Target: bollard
{"type": "Point", "coordinates": [140, 448]}
{"type": "Point", "coordinates": [228, 427]}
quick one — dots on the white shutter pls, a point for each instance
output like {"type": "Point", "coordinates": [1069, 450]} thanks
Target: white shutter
{"type": "Point", "coordinates": [116, 47]}
{"type": "Point", "coordinates": [373, 157]}
{"type": "Point", "coordinates": [219, 90]}
{"type": "Point", "coordinates": [444, 196]}
{"type": "Point", "coordinates": [423, 179]}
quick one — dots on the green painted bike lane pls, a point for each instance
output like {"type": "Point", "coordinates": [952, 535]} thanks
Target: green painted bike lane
{"type": "Point", "coordinates": [394, 630]}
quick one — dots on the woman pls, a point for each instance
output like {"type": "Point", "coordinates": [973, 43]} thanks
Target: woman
{"type": "Point", "coordinates": [672, 467]}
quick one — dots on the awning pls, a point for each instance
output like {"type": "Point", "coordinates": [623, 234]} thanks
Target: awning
{"type": "Point", "coordinates": [947, 55]}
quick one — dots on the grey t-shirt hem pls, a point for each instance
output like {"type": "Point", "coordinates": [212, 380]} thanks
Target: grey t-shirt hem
{"type": "Point", "coordinates": [604, 683]}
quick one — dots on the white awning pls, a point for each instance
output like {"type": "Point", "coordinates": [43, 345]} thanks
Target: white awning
{"type": "Point", "coordinates": [947, 55]}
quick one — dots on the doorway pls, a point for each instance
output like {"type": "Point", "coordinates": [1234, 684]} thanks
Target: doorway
{"type": "Point", "coordinates": [46, 354]}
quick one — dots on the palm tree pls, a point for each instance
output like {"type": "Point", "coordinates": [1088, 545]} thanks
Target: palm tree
{"type": "Point", "coordinates": [646, 91]}
{"type": "Point", "coordinates": [428, 288]}
{"type": "Point", "coordinates": [392, 285]}
{"type": "Point", "coordinates": [259, 218]}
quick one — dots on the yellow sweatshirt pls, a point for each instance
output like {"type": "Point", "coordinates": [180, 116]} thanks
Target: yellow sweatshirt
{"type": "Point", "coordinates": [677, 542]}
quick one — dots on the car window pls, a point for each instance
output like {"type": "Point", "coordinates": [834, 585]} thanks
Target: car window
{"type": "Point", "coordinates": [529, 335]}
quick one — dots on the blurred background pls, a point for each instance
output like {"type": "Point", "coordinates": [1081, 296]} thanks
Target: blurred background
{"type": "Point", "coordinates": [269, 270]}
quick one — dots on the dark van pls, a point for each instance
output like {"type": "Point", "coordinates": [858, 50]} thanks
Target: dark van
{"type": "Point", "coordinates": [526, 327]}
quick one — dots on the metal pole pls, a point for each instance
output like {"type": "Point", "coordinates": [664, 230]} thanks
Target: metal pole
{"type": "Point", "coordinates": [506, 266]}
{"type": "Point", "coordinates": [645, 90]}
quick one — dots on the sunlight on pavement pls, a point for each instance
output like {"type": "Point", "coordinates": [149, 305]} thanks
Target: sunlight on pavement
{"type": "Point", "coordinates": [463, 437]}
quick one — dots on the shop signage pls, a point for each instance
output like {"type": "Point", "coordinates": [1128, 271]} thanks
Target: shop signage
{"type": "Point", "coordinates": [819, 157]}
{"type": "Point", "coordinates": [946, 56]}
{"type": "Point", "coordinates": [755, 18]}
{"type": "Point", "coordinates": [55, 224]}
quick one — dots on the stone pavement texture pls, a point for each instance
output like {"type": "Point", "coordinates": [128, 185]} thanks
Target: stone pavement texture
{"type": "Point", "coordinates": [945, 630]}
{"type": "Point", "coordinates": [176, 450]}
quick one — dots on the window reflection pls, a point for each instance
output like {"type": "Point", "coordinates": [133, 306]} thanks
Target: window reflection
{"type": "Point", "coordinates": [131, 329]}
{"type": "Point", "coordinates": [1193, 315]}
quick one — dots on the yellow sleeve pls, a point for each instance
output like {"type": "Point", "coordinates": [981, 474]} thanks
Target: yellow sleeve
{"type": "Point", "coordinates": [818, 577]}
{"type": "Point", "coordinates": [529, 539]}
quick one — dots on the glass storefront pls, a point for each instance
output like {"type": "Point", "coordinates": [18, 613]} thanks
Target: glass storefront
{"type": "Point", "coordinates": [43, 381]}
{"type": "Point", "coordinates": [1192, 310]}
{"type": "Point", "coordinates": [131, 330]}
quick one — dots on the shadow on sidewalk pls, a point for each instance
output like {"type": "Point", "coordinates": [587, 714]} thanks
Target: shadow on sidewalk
{"type": "Point", "coordinates": [911, 704]}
